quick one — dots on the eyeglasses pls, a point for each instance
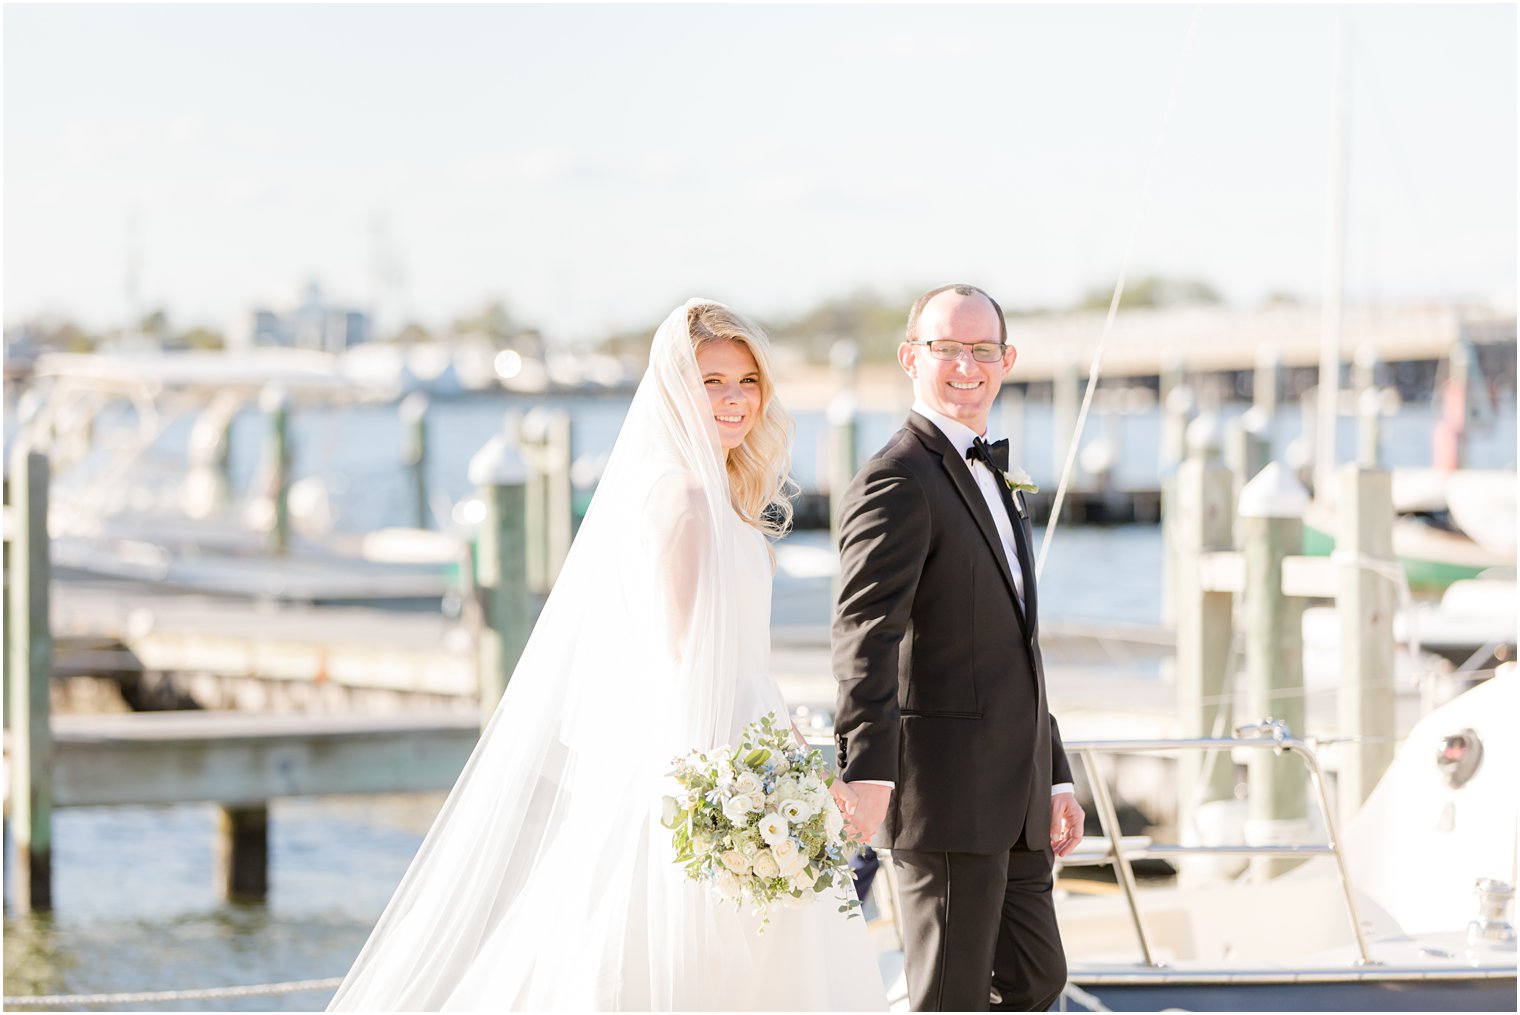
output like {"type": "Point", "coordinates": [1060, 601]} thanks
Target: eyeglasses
{"type": "Point", "coordinates": [982, 352]}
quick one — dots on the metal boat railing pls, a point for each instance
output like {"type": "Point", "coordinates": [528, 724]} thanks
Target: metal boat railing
{"type": "Point", "coordinates": [1269, 736]}
{"type": "Point", "coordinates": [1273, 737]}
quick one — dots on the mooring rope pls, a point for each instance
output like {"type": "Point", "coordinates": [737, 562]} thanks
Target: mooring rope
{"type": "Point", "coordinates": [157, 996]}
{"type": "Point", "coordinates": [1113, 305]}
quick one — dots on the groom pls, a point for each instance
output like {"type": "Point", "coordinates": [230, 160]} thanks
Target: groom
{"type": "Point", "coordinates": [948, 755]}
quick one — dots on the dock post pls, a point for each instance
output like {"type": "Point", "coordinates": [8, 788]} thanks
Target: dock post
{"type": "Point", "coordinates": [545, 444]}
{"type": "Point", "coordinates": [1205, 510]}
{"type": "Point", "coordinates": [844, 429]}
{"type": "Point", "coordinates": [1369, 429]}
{"type": "Point", "coordinates": [1272, 527]}
{"type": "Point", "coordinates": [844, 435]}
{"type": "Point", "coordinates": [413, 411]}
{"type": "Point", "coordinates": [1011, 422]}
{"type": "Point", "coordinates": [209, 485]}
{"type": "Point", "coordinates": [275, 403]}
{"type": "Point", "coordinates": [1178, 406]}
{"type": "Point", "coordinates": [242, 854]}
{"type": "Point", "coordinates": [1266, 382]}
{"type": "Point", "coordinates": [1248, 449]}
{"type": "Point", "coordinates": [5, 626]}
{"type": "Point", "coordinates": [501, 475]}
{"type": "Point", "coordinates": [1365, 602]}
{"type": "Point", "coordinates": [30, 668]}
{"type": "Point", "coordinates": [1066, 401]}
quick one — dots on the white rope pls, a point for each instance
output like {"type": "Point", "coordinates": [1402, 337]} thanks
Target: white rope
{"type": "Point", "coordinates": [157, 996]}
{"type": "Point", "coordinates": [1113, 305]}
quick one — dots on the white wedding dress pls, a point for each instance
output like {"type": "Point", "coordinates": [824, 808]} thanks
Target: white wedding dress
{"type": "Point", "coordinates": [547, 881]}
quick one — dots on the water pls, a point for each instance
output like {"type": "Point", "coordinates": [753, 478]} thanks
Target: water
{"type": "Point", "coordinates": [357, 448]}
{"type": "Point", "coordinates": [135, 907]}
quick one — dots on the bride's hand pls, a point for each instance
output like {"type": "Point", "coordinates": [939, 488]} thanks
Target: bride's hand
{"type": "Point", "coordinates": [844, 797]}
{"type": "Point", "coordinates": [863, 805]}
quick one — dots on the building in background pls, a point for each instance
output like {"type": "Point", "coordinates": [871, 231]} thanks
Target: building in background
{"type": "Point", "coordinates": [312, 324]}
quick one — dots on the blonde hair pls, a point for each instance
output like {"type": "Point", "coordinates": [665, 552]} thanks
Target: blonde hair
{"type": "Point", "coordinates": [759, 480]}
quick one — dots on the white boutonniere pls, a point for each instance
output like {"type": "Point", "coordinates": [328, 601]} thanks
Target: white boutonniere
{"type": "Point", "coordinates": [1019, 482]}
{"type": "Point", "coordinates": [1018, 479]}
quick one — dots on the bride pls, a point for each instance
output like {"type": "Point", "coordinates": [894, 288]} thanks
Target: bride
{"type": "Point", "coordinates": [547, 881]}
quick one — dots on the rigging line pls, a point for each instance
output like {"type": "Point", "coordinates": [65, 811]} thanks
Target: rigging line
{"type": "Point", "coordinates": [1113, 306]}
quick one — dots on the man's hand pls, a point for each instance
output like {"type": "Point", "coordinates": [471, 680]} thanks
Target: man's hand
{"type": "Point", "coordinates": [1066, 820]}
{"type": "Point", "coordinates": [863, 804]}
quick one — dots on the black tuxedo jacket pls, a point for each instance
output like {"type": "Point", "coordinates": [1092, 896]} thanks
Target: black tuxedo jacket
{"type": "Point", "coordinates": [941, 685]}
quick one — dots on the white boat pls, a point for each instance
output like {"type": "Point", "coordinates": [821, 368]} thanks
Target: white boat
{"type": "Point", "coordinates": [1409, 910]}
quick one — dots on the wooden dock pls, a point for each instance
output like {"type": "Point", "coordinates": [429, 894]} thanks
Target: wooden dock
{"type": "Point", "coordinates": [239, 759]}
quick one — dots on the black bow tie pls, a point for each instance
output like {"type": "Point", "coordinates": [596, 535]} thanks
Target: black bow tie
{"type": "Point", "coordinates": [994, 454]}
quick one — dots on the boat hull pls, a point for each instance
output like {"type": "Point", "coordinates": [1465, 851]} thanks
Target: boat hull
{"type": "Point", "coordinates": [1360, 993]}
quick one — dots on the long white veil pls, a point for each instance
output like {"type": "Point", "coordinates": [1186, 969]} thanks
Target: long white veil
{"type": "Point", "coordinates": [544, 883]}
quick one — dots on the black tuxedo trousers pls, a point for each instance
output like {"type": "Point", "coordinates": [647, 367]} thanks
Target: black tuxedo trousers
{"type": "Point", "coordinates": [942, 692]}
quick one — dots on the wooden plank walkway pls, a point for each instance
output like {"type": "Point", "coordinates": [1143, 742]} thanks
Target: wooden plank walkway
{"type": "Point", "coordinates": [241, 759]}
{"type": "Point", "coordinates": [349, 646]}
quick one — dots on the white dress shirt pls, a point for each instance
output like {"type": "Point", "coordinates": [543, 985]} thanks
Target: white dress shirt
{"type": "Point", "coordinates": [960, 437]}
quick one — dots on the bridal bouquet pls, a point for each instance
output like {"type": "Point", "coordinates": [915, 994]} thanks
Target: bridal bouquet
{"type": "Point", "coordinates": [757, 822]}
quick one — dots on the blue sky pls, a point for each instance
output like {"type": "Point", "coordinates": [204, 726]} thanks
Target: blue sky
{"type": "Point", "coordinates": [593, 165]}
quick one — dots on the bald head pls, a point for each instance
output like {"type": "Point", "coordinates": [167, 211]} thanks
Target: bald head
{"type": "Point", "coordinates": [915, 315]}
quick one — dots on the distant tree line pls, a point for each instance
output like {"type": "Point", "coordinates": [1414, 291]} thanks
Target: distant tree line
{"type": "Point", "coordinates": [874, 321]}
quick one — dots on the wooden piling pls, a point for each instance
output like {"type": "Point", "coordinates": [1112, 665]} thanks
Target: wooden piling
{"type": "Point", "coordinates": [1248, 448]}
{"type": "Point", "coordinates": [1178, 406]}
{"type": "Point", "coordinates": [844, 432]}
{"type": "Point", "coordinates": [413, 411]}
{"type": "Point", "coordinates": [276, 406]}
{"type": "Point", "coordinates": [501, 476]}
{"type": "Point", "coordinates": [1066, 401]}
{"type": "Point", "coordinates": [545, 449]}
{"type": "Point", "coordinates": [242, 853]}
{"type": "Point", "coordinates": [1205, 513]}
{"type": "Point", "coordinates": [5, 626]}
{"type": "Point", "coordinates": [1266, 382]}
{"type": "Point", "coordinates": [1365, 602]}
{"type": "Point", "coordinates": [1271, 516]}
{"type": "Point", "coordinates": [1369, 429]}
{"type": "Point", "coordinates": [30, 668]}
{"type": "Point", "coordinates": [1011, 422]}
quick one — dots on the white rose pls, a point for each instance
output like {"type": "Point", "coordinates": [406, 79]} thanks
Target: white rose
{"type": "Point", "coordinates": [789, 858]}
{"type": "Point", "coordinates": [735, 861]}
{"type": "Point", "coordinates": [701, 842]}
{"type": "Point", "coordinates": [766, 866]}
{"type": "Point", "coordinates": [748, 783]}
{"type": "Point", "coordinates": [803, 881]}
{"type": "Point", "coordinates": [728, 885]}
{"type": "Point", "coordinates": [738, 808]}
{"type": "Point", "coordinates": [773, 829]}
{"type": "Point", "coordinates": [797, 811]}
{"type": "Point", "coordinates": [788, 789]}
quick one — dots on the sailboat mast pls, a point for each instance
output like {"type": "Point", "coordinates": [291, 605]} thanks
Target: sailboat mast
{"type": "Point", "coordinates": [1335, 271]}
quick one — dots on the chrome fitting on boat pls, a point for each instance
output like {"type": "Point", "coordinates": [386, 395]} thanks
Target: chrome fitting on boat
{"type": "Point", "coordinates": [1492, 927]}
{"type": "Point", "coordinates": [1277, 729]}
